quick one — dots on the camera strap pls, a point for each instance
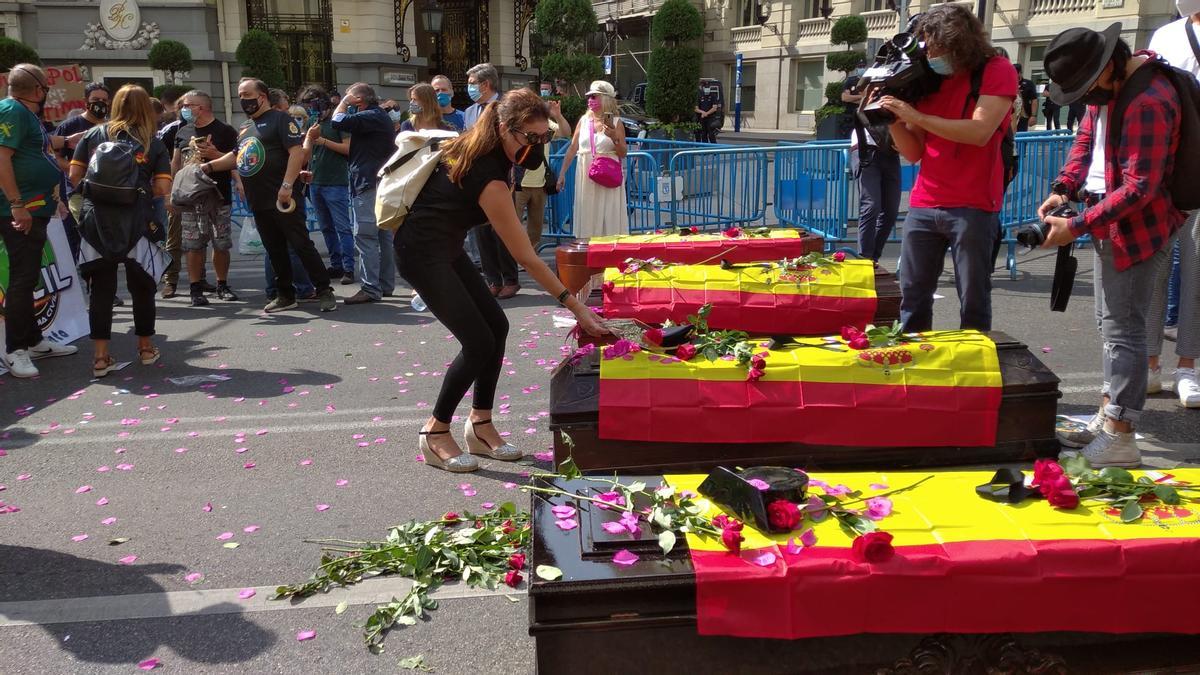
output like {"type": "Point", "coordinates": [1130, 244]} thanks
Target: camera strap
{"type": "Point", "coordinates": [866, 153]}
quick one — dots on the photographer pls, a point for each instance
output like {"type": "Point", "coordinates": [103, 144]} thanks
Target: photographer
{"type": "Point", "coordinates": [956, 200]}
{"type": "Point", "coordinates": [1122, 179]}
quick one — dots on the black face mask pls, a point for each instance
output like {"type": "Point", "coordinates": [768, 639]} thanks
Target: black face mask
{"type": "Point", "coordinates": [40, 103]}
{"type": "Point", "coordinates": [530, 157]}
{"type": "Point", "coordinates": [1098, 96]}
{"type": "Point", "coordinates": [249, 105]}
{"type": "Point", "coordinates": [98, 109]}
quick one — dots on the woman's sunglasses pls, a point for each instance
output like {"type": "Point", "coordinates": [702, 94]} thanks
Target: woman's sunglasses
{"type": "Point", "coordinates": [532, 137]}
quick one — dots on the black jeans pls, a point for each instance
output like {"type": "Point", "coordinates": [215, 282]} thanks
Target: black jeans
{"type": "Point", "coordinates": [24, 269]}
{"type": "Point", "coordinates": [278, 230]}
{"type": "Point", "coordinates": [103, 277]}
{"type": "Point", "coordinates": [460, 300]}
{"type": "Point", "coordinates": [878, 201]}
{"type": "Point", "coordinates": [498, 264]}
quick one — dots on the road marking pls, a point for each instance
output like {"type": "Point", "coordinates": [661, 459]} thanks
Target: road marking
{"type": "Point", "coordinates": [202, 602]}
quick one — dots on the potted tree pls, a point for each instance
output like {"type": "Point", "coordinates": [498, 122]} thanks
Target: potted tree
{"type": "Point", "coordinates": [673, 75]}
{"type": "Point", "coordinates": [172, 57]}
{"type": "Point", "coordinates": [13, 52]}
{"type": "Point", "coordinates": [259, 55]}
{"type": "Point", "coordinates": [559, 48]}
{"type": "Point", "coordinates": [833, 120]}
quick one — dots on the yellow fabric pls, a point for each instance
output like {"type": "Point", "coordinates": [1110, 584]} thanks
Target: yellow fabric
{"type": "Point", "coordinates": [941, 359]}
{"type": "Point", "coordinates": [631, 239]}
{"type": "Point", "coordinates": [847, 279]}
{"type": "Point", "coordinates": [945, 509]}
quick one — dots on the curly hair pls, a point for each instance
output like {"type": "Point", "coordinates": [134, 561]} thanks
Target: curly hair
{"type": "Point", "coordinates": [960, 33]}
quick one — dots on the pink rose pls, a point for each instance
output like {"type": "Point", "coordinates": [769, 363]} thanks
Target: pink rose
{"type": "Point", "coordinates": [860, 342]}
{"type": "Point", "coordinates": [512, 578]}
{"type": "Point", "coordinates": [654, 336]}
{"type": "Point", "coordinates": [732, 539]}
{"type": "Point", "coordinates": [839, 256]}
{"type": "Point", "coordinates": [517, 561]}
{"type": "Point", "coordinates": [874, 547]}
{"type": "Point", "coordinates": [451, 517]}
{"type": "Point", "coordinates": [783, 515]}
{"type": "Point", "coordinates": [759, 361]}
{"type": "Point", "coordinates": [850, 332]}
{"type": "Point", "coordinates": [754, 374]}
{"type": "Point", "coordinates": [685, 352]}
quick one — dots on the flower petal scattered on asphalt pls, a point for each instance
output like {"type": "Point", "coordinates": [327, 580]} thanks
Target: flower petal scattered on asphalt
{"type": "Point", "coordinates": [102, 501]}
{"type": "Point", "coordinates": [149, 664]}
{"type": "Point", "coordinates": [305, 635]}
{"type": "Point", "coordinates": [625, 557]}
{"type": "Point", "coordinates": [79, 537]}
{"type": "Point", "coordinates": [225, 535]}
{"type": "Point", "coordinates": [128, 560]}
{"type": "Point", "coordinates": [250, 528]}
{"type": "Point", "coordinates": [207, 507]}
{"type": "Point", "coordinates": [82, 489]}
{"type": "Point", "coordinates": [108, 521]}
{"type": "Point", "coordinates": [193, 577]}
{"type": "Point", "coordinates": [247, 593]}
{"type": "Point", "coordinates": [322, 507]}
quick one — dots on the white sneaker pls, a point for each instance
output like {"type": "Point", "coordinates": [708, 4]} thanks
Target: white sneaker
{"type": "Point", "coordinates": [1171, 333]}
{"type": "Point", "coordinates": [20, 365]}
{"type": "Point", "coordinates": [1113, 448]}
{"type": "Point", "coordinates": [1154, 381]}
{"type": "Point", "coordinates": [1072, 435]}
{"type": "Point", "coordinates": [1187, 387]}
{"type": "Point", "coordinates": [46, 349]}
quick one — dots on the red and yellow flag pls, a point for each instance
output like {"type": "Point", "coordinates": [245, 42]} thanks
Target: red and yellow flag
{"type": "Point", "coordinates": [940, 389]}
{"type": "Point", "coordinates": [693, 249]}
{"type": "Point", "coordinates": [962, 564]}
{"type": "Point", "coordinates": [759, 300]}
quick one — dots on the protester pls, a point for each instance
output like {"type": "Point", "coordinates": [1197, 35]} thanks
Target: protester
{"type": "Point", "coordinates": [29, 175]}
{"type": "Point", "coordinates": [599, 210]}
{"type": "Point", "coordinates": [424, 111]}
{"type": "Point", "coordinates": [1172, 43]}
{"type": "Point", "coordinates": [499, 268]}
{"type": "Point", "coordinates": [530, 194]}
{"type": "Point", "coordinates": [132, 121]}
{"type": "Point", "coordinates": [268, 159]}
{"type": "Point", "coordinates": [1123, 180]}
{"type": "Point", "coordinates": [1051, 110]}
{"type": "Point", "coordinates": [278, 99]}
{"type": "Point", "coordinates": [956, 200]}
{"type": "Point", "coordinates": [445, 97]}
{"type": "Point", "coordinates": [469, 187]}
{"type": "Point", "coordinates": [329, 190]}
{"type": "Point", "coordinates": [212, 138]}
{"type": "Point", "coordinates": [174, 242]}
{"type": "Point", "coordinates": [372, 141]}
{"type": "Point", "coordinates": [97, 97]}
{"type": "Point", "coordinates": [170, 113]}
{"type": "Point", "coordinates": [1025, 110]}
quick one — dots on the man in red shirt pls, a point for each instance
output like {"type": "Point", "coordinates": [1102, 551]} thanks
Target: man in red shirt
{"type": "Point", "coordinates": [1123, 179]}
{"type": "Point", "coordinates": [955, 203]}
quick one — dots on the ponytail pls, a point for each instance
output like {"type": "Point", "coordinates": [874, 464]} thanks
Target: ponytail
{"type": "Point", "coordinates": [515, 109]}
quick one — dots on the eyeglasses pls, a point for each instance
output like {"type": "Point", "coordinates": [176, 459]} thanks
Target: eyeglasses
{"type": "Point", "coordinates": [532, 137]}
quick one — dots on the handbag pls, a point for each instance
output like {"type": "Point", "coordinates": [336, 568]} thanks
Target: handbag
{"type": "Point", "coordinates": [604, 171]}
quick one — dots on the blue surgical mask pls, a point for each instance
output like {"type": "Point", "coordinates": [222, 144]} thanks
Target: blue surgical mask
{"type": "Point", "coordinates": [474, 93]}
{"type": "Point", "coordinates": [443, 99]}
{"type": "Point", "coordinates": [395, 115]}
{"type": "Point", "coordinates": [187, 115]}
{"type": "Point", "coordinates": [941, 65]}
{"type": "Point", "coordinates": [545, 93]}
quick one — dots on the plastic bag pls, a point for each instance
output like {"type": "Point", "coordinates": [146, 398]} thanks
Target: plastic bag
{"type": "Point", "coordinates": [249, 241]}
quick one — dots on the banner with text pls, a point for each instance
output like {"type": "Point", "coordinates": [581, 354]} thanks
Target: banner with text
{"type": "Point", "coordinates": [66, 91]}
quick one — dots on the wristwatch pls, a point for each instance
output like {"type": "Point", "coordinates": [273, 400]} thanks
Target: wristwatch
{"type": "Point", "coordinates": [285, 185]}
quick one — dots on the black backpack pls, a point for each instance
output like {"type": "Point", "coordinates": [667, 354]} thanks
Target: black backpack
{"type": "Point", "coordinates": [1181, 184]}
{"type": "Point", "coordinates": [117, 206]}
{"type": "Point", "coordinates": [1008, 143]}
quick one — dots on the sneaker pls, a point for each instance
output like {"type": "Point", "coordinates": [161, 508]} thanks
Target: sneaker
{"type": "Point", "coordinates": [1187, 387]}
{"type": "Point", "coordinates": [1154, 381]}
{"type": "Point", "coordinates": [168, 290]}
{"type": "Point", "coordinates": [224, 292]}
{"type": "Point", "coordinates": [279, 304]}
{"type": "Point", "coordinates": [1171, 333]}
{"type": "Point", "coordinates": [207, 287]}
{"type": "Point", "coordinates": [46, 349]}
{"type": "Point", "coordinates": [20, 365]}
{"type": "Point", "coordinates": [198, 300]}
{"type": "Point", "coordinates": [328, 300]}
{"type": "Point", "coordinates": [360, 298]}
{"type": "Point", "coordinates": [347, 279]}
{"type": "Point", "coordinates": [1074, 435]}
{"type": "Point", "coordinates": [1113, 448]}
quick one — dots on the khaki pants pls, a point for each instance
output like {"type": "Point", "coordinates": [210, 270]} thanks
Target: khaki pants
{"type": "Point", "coordinates": [174, 246]}
{"type": "Point", "coordinates": [533, 199]}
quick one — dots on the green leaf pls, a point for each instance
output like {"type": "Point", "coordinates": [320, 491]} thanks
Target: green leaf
{"type": "Point", "coordinates": [1076, 465]}
{"type": "Point", "coordinates": [1167, 494]}
{"type": "Point", "coordinates": [1116, 475]}
{"type": "Point", "coordinates": [341, 607]}
{"type": "Point", "coordinates": [1131, 512]}
{"type": "Point", "coordinates": [637, 486]}
{"type": "Point", "coordinates": [548, 572]}
{"type": "Point", "coordinates": [567, 468]}
{"type": "Point", "coordinates": [666, 541]}
{"type": "Point", "coordinates": [415, 663]}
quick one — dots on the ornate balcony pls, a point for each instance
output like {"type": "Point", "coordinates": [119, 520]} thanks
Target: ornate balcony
{"type": "Point", "coordinates": [881, 23]}
{"type": "Point", "coordinates": [745, 37]}
{"type": "Point", "coordinates": [1060, 7]}
{"type": "Point", "coordinates": [808, 29]}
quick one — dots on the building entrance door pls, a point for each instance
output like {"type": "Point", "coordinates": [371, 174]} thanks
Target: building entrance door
{"type": "Point", "coordinates": [304, 31]}
{"type": "Point", "coordinates": [462, 43]}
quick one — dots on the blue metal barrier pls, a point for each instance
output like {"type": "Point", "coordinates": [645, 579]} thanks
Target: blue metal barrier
{"type": "Point", "coordinates": [717, 187]}
{"type": "Point", "coordinates": [1040, 157]}
{"type": "Point", "coordinates": [240, 211]}
{"type": "Point", "coordinates": [642, 184]}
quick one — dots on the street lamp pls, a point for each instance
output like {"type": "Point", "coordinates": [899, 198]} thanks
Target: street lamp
{"type": "Point", "coordinates": [431, 16]}
{"type": "Point", "coordinates": [764, 13]}
{"type": "Point", "coordinates": [610, 27]}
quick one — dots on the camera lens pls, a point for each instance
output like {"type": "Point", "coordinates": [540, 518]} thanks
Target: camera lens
{"type": "Point", "coordinates": [1032, 236]}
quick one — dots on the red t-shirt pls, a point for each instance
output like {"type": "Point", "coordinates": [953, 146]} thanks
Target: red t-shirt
{"type": "Point", "coordinates": [956, 174]}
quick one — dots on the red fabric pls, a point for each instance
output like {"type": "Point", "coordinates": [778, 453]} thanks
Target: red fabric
{"type": "Point", "coordinates": [815, 413]}
{"type": "Point", "coordinates": [750, 249]}
{"type": "Point", "coordinates": [956, 174]}
{"type": "Point", "coordinates": [1106, 586]}
{"type": "Point", "coordinates": [755, 313]}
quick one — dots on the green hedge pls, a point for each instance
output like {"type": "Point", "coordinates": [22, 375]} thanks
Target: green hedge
{"type": "Point", "coordinates": [170, 56]}
{"type": "Point", "coordinates": [13, 52]}
{"type": "Point", "coordinates": [849, 30]}
{"type": "Point", "coordinates": [573, 108]}
{"type": "Point", "coordinates": [672, 83]}
{"type": "Point", "coordinates": [260, 57]}
{"type": "Point", "coordinates": [573, 68]}
{"type": "Point", "coordinates": [677, 21]}
{"type": "Point", "coordinates": [845, 61]}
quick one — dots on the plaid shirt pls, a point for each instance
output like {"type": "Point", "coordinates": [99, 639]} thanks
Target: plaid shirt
{"type": "Point", "coordinates": [1137, 213]}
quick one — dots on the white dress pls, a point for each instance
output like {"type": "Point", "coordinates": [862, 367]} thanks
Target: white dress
{"type": "Point", "coordinates": [599, 211]}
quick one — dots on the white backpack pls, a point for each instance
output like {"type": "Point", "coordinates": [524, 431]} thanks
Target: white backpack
{"type": "Point", "coordinates": [405, 173]}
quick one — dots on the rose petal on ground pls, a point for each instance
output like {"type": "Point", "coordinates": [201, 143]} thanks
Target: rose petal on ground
{"type": "Point", "coordinates": [224, 535]}
{"type": "Point", "coordinates": [625, 557]}
{"type": "Point", "coordinates": [305, 635]}
{"type": "Point", "coordinates": [305, 462]}
{"type": "Point", "coordinates": [250, 528]}
{"type": "Point", "coordinates": [79, 537]}
{"type": "Point", "coordinates": [249, 465]}
{"type": "Point", "coordinates": [149, 664]}
{"type": "Point", "coordinates": [24, 476]}
{"type": "Point", "coordinates": [102, 501]}
{"type": "Point", "coordinates": [488, 505]}
{"type": "Point", "coordinates": [342, 482]}
{"type": "Point", "coordinates": [510, 486]}
{"type": "Point", "coordinates": [193, 577]}
{"type": "Point", "coordinates": [108, 521]}
{"type": "Point", "coordinates": [82, 489]}
{"type": "Point", "coordinates": [128, 560]}
{"type": "Point", "coordinates": [247, 593]}
{"type": "Point", "coordinates": [322, 507]}
{"type": "Point", "coordinates": [207, 507]}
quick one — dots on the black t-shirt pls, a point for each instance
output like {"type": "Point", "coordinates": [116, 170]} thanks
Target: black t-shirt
{"type": "Point", "coordinates": [74, 125]}
{"type": "Point", "coordinates": [444, 212]}
{"type": "Point", "coordinates": [223, 137]}
{"type": "Point", "coordinates": [153, 162]}
{"type": "Point", "coordinates": [262, 157]}
{"type": "Point", "coordinates": [1028, 95]}
{"type": "Point", "coordinates": [167, 134]}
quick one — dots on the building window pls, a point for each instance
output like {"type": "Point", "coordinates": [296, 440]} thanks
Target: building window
{"type": "Point", "coordinates": [807, 85]}
{"type": "Point", "coordinates": [749, 78]}
{"type": "Point", "coordinates": [747, 12]}
{"type": "Point", "coordinates": [812, 8]}
{"type": "Point", "coordinates": [875, 5]}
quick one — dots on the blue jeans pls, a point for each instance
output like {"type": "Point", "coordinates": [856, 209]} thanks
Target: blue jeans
{"type": "Point", "coordinates": [376, 257]}
{"type": "Point", "coordinates": [300, 281]}
{"type": "Point", "coordinates": [332, 204]}
{"type": "Point", "coordinates": [969, 234]}
{"type": "Point", "coordinates": [1173, 287]}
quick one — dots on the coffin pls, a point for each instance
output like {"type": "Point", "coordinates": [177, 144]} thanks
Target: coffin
{"type": "Point", "coordinates": [603, 618]}
{"type": "Point", "coordinates": [1025, 429]}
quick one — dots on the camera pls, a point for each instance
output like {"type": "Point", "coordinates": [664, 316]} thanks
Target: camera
{"type": "Point", "coordinates": [900, 70]}
{"type": "Point", "coordinates": [1032, 235]}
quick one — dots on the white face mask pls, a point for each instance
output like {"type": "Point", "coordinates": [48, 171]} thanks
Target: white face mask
{"type": "Point", "coordinates": [1187, 7]}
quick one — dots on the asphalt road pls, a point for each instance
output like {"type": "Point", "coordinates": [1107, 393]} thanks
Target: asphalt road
{"type": "Point", "coordinates": [317, 410]}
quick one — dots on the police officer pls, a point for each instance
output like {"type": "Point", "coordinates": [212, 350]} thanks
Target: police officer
{"type": "Point", "coordinates": [708, 112]}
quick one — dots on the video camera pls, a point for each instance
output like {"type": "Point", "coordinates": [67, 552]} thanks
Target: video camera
{"type": "Point", "coordinates": [900, 70]}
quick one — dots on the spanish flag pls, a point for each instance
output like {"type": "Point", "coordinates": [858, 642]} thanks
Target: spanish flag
{"type": "Point", "coordinates": [938, 389]}
{"type": "Point", "coordinates": [694, 249]}
{"type": "Point", "coordinates": [961, 564]}
{"type": "Point", "coordinates": [761, 300]}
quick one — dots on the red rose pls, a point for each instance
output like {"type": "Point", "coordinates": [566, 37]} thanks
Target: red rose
{"type": "Point", "coordinates": [733, 232]}
{"type": "Point", "coordinates": [685, 352]}
{"type": "Point", "coordinates": [693, 230]}
{"type": "Point", "coordinates": [451, 517]}
{"type": "Point", "coordinates": [732, 539]}
{"type": "Point", "coordinates": [512, 578]}
{"type": "Point", "coordinates": [754, 374]}
{"type": "Point", "coordinates": [507, 527]}
{"type": "Point", "coordinates": [1045, 471]}
{"type": "Point", "coordinates": [874, 547]}
{"type": "Point", "coordinates": [654, 336]}
{"type": "Point", "coordinates": [850, 332]}
{"type": "Point", "coordinates": [860, 341]}
{"type": "Point", "coordinates": [608, 286]}
{"type": "Point", "coordinates": [517, 561]}
{"type": "Point", "coordinates": [783, 515]}
{"type": "Point", "coordinates": [839, 256]}
{"type": "Point", "coordinates": [1060, 493]}
{"type": "Point", "coordinates": [1055, 484]}
{"type": "Point", "coordinates": [757, 361]}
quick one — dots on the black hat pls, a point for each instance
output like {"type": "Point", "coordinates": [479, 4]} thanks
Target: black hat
{"type": "Point", "coordinates": [1075, 58]}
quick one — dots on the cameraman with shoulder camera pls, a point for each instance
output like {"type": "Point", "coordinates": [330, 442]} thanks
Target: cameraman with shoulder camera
{"type": "Point", "coordinates": [955, 202]}
{"type": "Point", "coordinates": [1123, 179]}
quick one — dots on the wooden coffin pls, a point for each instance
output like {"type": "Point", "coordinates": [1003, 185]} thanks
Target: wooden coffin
{"type": "Point", "coordinates": [603, 618]}
{"type": "Point", "coordinates": [1025, 429]}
